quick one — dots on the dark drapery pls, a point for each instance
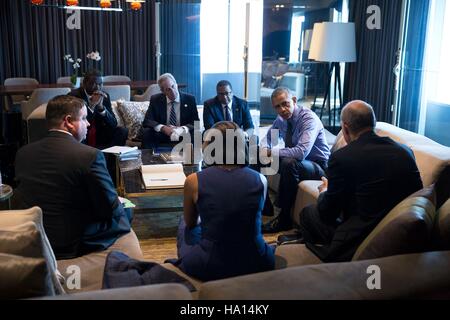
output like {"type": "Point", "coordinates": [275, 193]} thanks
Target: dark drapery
{"type": "Point", "coordinates": [414, 47]}
{"type": "Point", "coordinates": [180, 42]}
{"type": "Point", "coordinates": [35, 39]}
{"type": "Point", "coordinates": [371, 78]}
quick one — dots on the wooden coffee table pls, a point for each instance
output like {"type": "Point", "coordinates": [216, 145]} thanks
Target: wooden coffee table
{"type": "Point", "coordinates": [132, 187]}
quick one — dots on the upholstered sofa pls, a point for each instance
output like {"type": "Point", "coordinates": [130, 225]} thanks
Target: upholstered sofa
{"type": "Point", "coordinates": [431, 159]}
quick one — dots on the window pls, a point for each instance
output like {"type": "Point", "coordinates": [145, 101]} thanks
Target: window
{"type": "Point", "coordinates": [424, 95]}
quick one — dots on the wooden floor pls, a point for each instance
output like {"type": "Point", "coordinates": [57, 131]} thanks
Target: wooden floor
{"type": "Point", "coordinates": [160, 249]}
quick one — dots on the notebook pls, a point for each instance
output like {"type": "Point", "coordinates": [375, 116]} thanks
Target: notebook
{"type": "Point", "coordinates": [163, 176]}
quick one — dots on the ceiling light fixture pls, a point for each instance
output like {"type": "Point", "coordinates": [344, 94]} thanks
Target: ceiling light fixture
{"type": "Point", "coordinates": [105, 5]}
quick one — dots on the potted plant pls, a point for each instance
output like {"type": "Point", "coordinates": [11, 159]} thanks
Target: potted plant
{"type": "Point", "coordinates": [76, 66]}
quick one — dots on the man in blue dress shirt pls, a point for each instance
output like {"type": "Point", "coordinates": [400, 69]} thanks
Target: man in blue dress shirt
{"type": "Point", "coordinates": [304, 156]}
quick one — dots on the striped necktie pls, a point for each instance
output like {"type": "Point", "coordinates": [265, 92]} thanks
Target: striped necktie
{"type": "Point", "coordinates": [173, 115]}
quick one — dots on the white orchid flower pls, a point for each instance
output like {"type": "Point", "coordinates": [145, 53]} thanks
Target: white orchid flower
{"type": "Point", "coordinates": [71, 60]}
{"type": "Point", "coordinates": [78, 60]}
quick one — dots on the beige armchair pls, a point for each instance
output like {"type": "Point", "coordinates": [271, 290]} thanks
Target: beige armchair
{"type": "Point", "coordinates": [38, 97]}
{"type": "Point", "coordinates": [151, 90]}
{"type": "Point", "coordinates": [17, 99]}
{"type": "Point", "coordinates": [109, 79]}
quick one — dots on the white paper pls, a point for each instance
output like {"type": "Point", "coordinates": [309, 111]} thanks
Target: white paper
{"type": "Point", "coordinates": [120, 150]}
{"type": "Point", "coordinates": [163, 176]}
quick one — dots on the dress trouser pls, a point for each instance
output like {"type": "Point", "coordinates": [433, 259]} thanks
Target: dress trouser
{"type": "Point", "coordinates": [292, 172]}
{"type": "Point", "coordinates": [313, 229]}
{"type": "Point", "coordinates": [153, 139]}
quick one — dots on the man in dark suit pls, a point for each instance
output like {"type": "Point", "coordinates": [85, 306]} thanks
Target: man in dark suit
{"type": "Point", "coordinates": [227, 107]}
{"type": "Point", "coordinates": [103, 131]}
{"type": "Point", "coordinates": [170, 116]}
{"type": "Point", "coordinates": [70, 183]}
{"type": "Point", "coordinates": [366, 179]}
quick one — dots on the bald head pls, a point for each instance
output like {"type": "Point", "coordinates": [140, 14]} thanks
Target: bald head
{"type": "Point", "coordinates": [358, 117]}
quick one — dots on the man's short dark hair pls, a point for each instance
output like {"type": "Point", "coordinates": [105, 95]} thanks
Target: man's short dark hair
{"type": "Point", "coordinates": [223, 83]}
{"type": "Point", "coordinates": [60, 107]}
{"type": "Point", "coordinates": [279, 91]}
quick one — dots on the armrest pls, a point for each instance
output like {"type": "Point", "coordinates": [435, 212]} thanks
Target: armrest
{"type": "Point", "coordinates": [307, 194]}
{"type": "Point", "coordinates": [172, 291]}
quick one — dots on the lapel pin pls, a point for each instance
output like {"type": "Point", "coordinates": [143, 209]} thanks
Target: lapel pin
{"type": "Point", "coordinates": [185, 105]}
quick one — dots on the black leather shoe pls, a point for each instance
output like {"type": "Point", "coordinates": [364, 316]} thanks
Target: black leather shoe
{"type": "Point", "coordinates": [292, 238]}
{"type": "Point", "coordinates": [276, 225]}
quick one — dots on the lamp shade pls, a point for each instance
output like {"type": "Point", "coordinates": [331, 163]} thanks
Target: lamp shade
{"type": "Point", "coordinates": [333, 42]}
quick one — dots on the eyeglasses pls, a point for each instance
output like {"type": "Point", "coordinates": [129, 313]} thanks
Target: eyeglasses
{"type": "Point", "coordinates": [225, 93]}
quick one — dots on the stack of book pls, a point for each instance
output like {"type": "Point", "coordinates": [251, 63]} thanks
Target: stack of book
{"type": "Point", "coordinates": [124, 153]}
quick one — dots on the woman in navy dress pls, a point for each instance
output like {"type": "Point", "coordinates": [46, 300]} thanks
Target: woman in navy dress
{"type": "Point", "coordinates": [220, 233]}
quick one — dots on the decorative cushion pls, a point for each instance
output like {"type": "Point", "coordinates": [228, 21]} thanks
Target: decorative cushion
{"type": "Point", "coordinates": [22, 242]}
{"type": "Point", "coordinates": [22, 277]}
{"type": "Point", "coordinates": [10, 219]}
{"type": "Point", "coordinates": [133, 114]}
{"type": "Point", "coordinates": [442, 227]}
{"type": "Point", "coordinates": [406, 229]}
{"type": "Point", "coordinates": [115, 109]}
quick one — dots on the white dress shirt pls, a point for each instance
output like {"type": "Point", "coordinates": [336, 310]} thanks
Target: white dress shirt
{"type": "Point", "coordinates": [179, 130]}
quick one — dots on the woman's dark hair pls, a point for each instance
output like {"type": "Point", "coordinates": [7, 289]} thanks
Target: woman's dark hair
{"type": "Point", "coordinates": [232, 150]}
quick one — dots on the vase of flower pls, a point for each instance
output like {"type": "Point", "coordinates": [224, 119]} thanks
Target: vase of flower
{"type": "Point", "coordinates": [94, 57]}
{"type": "Point", "coordinates": [75, 65]}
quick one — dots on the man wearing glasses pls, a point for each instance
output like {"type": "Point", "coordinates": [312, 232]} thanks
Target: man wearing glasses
{"type": "Point", "coordinates": [170, 115]}
{"type": "Point", "coordinates": [303, 157]}
{"type": "Point", "coordinates": [227, 107]}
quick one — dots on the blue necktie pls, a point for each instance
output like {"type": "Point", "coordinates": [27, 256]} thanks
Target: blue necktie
{"type": "Point", "coordinates": [290, 131]}
{"type": "Point", "coordinates": [227, 114]}
{"type": "Point", "coordinates": [173, 115]}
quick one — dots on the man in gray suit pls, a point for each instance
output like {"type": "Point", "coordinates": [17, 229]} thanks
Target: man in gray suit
{"type": "Point", "coordinates": [70, 183]}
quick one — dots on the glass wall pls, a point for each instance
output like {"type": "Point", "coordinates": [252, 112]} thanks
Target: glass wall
{"type": "Point", "coordinates": [424, 95]}
{"type": "Point", "coordinates": [286, 41]}
{"type": "Point", "coordinates": [225, 30]}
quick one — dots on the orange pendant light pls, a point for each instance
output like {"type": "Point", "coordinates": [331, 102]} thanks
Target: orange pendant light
{"type": "Point", "coordinates": [135, 5]}
{"type": "Point", "coordinates": [72, 2]}
{"type": "Point", "coordinates": [37, 2]}
{"type": "Point", "coordinates": [105, 3]}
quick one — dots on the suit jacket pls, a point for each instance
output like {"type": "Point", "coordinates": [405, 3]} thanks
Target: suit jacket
{"type": "Point", "coordinates": [69, 181]}
{"type": "Point", "coordinates": [366, 179]}
{"type": "Point", "coordinates": [104, 125]}
{"type": "Point", "coordinates": [213, 113]}
{"type": "Point", "coordinates": [157, 113]}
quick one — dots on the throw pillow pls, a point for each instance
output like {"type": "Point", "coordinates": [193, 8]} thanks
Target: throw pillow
{"type": "Point", "coordinates": [23, 240]}
{"type": "Point", "coordinates": [22, 277]}
{"type": "Point", "coordinates": [405, 229]}
{"type": "Point", "coordinates": [133, 114]}
{"type": "Point", "coordinates": [19, 217]}
{"type": "Point", "coordinates": [114, 107]}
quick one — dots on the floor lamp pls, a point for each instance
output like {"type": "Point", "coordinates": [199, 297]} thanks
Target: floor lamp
{"type": "Point", "coordinates": [333, 43]}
